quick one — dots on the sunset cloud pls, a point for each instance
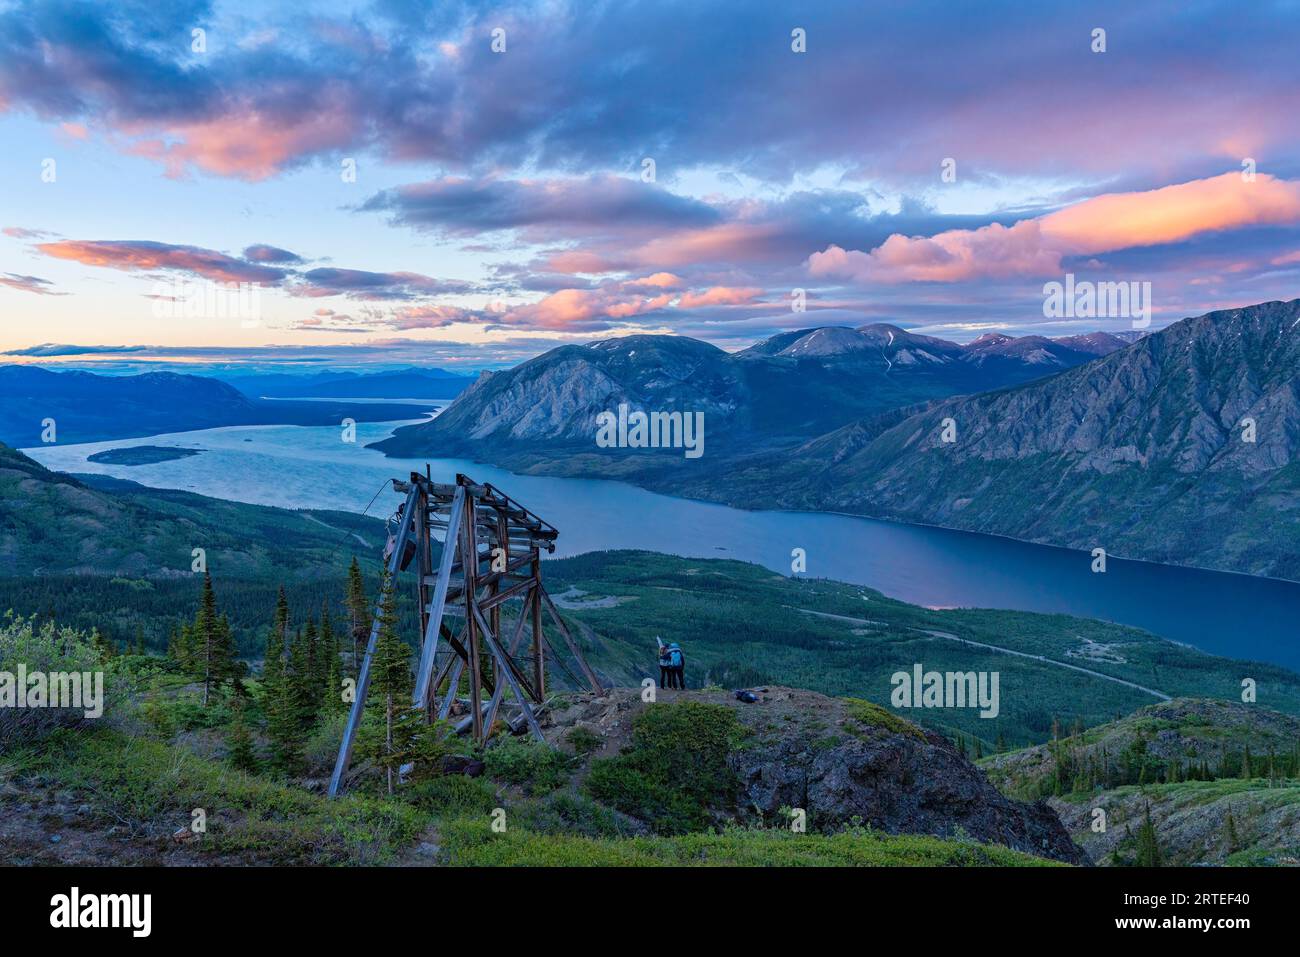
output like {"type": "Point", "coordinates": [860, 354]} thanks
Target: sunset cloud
{"type": "Point", "coordinates": [145, 255]}
{"type": "Point", "coordinates": [42, 287]}
{"type": "Point", "coordinates": [1036, 247]}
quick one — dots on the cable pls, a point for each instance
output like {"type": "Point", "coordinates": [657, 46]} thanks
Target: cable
{"type": "Point", "coordinates": [347, 535]}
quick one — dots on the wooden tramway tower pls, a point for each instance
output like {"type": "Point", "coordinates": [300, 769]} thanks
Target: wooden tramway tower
{"type": "Point", "coordinates": [491, 559]}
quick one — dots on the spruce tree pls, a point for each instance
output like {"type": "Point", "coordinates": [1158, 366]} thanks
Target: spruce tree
{"type": "Point", "coordinates": [214, 646]}
{"type": "Point", "coordinates": [240, 745]}
{"type": "Point", "coordinates": [1148, 845]}
{"type": "Point", "coordinates": [332, 688]}
{"type": "Point", "coordinates": [283, 720]}
{"type": "Point", "coordinates": [358, 615]}
{"type": "Point", "coordinates": [305, 694]}
{"type": "Point", "coordinates": [390, 678]}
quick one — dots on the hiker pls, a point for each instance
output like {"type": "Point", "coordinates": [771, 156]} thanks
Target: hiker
{"type": "Point", "coordinates": [665, 665]}
{"type": "Point", "coordinates": [676, 667]}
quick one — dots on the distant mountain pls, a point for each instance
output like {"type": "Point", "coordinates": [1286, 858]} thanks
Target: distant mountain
{"type": "Point", "coordinates": [86, 407]}
{"type": "Point", "coordinates": [891, 347]}
{"type": "Point", "coordinates": [411, 383]}
{"type": "Point", "coordinates": [1183, 447]}
{"type": "Point", "coordinates": [781, 392]}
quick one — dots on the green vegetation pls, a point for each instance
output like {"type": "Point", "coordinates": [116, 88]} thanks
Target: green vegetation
{"type": "Point", "coordinates": [535, 767]}
{"type": "Point", "coordinates": [247, 817]}
{"type": "Point", "coordinates": [472, 843]}
{"type": "Point", "coordinates": [141, 455]}
{"type": "Point", "coordinates": [742, 625]}
{"type": "Point", "coordinates": [675, 775]}
{"type": "Point", "coordinates": [872, 715]}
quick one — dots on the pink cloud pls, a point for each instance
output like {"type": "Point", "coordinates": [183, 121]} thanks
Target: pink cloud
{"type": "Point", "coordinates": [244, 142]}
{"type": "Point", "coordinates": [719, 296]}
{"type": "Point", "coordinates": [1035, 247]}
{"type": "Point", "coordinates": [132, 255]}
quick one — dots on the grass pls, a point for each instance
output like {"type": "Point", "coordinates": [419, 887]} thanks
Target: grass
{"type": "Point", "coordinates": [874, 716]}
{"type": "Point", "coordinates": [472, 843]}
{"type": "Point", "coordinates": [141, 781]}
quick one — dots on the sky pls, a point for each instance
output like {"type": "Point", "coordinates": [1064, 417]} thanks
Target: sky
{"type": "Point", "coordinates": [467, 185]}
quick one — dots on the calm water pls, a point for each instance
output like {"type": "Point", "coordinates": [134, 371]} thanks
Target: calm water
{"type": "Point", "coordinates": [294, 466]}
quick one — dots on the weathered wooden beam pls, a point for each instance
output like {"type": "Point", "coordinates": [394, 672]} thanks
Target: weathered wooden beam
{"type": "Point", "coordinates": [438, 607]}
{"type": "Point", "coordinates": [363, 679]}
{"type": "Point", "coordinates": [590, 675]}
{"type": "Point", "coordinates": [507, 669]}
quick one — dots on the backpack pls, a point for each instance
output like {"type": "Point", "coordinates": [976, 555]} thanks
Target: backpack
{"type": "Point", "coordinates": [676, 657]}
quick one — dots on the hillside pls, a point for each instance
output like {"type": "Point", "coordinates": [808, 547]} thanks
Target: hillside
{"type": "Point", "coordinates": [1220, 781]}
{"type": "Point", "coordinates": [87, 407]}
{"type": "Point", "coordinates": [743, 625]}
{"type": "Point", "coordinates": [1141, 452]}
{"type": "Point", "coordinates": [117, 556]}
{"type": "Point", "coordinates": [54, 524]}
{"type": "Point", "coordinates": [541, 415]}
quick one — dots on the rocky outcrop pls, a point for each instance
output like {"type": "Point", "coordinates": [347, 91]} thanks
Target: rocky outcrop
{"type": "Point", "coordinates": [846, 763]}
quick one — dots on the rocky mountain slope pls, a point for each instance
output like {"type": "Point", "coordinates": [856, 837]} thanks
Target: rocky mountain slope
{"type": "Point", "coordinates": [1220, 781]}
{"type": "Point", "coordinates": [782, 391]}
{"type": "Point", "coordinates": [1179, 448]}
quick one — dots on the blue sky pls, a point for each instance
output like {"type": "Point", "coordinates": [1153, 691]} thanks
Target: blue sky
{"type": "Point", "coordinates": [500, 204]}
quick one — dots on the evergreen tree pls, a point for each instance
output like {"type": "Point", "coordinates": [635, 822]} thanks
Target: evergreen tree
{"type": "Point", "coordinates": [213, 643]}
{"type": "Point", "coordinates": [283, 720]}
{"type": "Point", "coordinates": [390, 678]}
{"type": "Point", "coordinates": [358, 615]}
{"type": "Point", "coordinates": [240, 744]}
{"type": "Point", "coordinates": [1148, 846]}
{"type": "Point", "coordinates": [304, 690]}
{"type": "Point", "coordinates": [105, 648]}
{"type": "Point", "coordinates": [332, 689]}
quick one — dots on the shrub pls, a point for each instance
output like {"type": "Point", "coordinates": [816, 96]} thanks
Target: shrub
{"type": "Point", "coordinates": [452, 795]}
{"type": "Point", "coordinates": [47, 650]}
{"type": "Point", "coordinates": [675, 774]}
{"type": "Point", "coordinates": [532, 765]}
{"type": "Point", "coordinates": [583, 740]}
{"type": "Point", "coordinates": [565, 813]}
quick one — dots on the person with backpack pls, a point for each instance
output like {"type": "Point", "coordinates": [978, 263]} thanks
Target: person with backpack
{"type": "Point", "coordinates": [676, 667]}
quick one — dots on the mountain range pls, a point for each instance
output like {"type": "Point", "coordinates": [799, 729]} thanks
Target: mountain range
{"type": "Point", "coordinates": [1179, 446]}
{"type": "Point", "coordinates": [412, 383]}
{"type": "Point", "coordinates": [776, 394]}
{"type": "Point", "coordinates": [86, 407]}
{"type": "Point", "coordinates": [1183, 447]}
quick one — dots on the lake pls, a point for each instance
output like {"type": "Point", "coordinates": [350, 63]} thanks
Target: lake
{"type": "Point", "coordinates": [311, 467]}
